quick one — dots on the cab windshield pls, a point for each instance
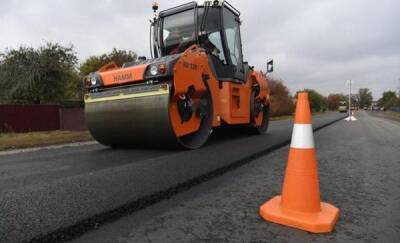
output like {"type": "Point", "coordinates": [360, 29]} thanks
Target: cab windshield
{"type": "Point", "coordinates": [178, 32]}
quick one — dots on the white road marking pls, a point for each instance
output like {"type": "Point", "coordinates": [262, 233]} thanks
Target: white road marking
{"type": "Point", "coordinates": [350, 118]}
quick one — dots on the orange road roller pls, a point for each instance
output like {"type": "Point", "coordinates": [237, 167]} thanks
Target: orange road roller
{"type": "Point", "coordinates": [196, 80]}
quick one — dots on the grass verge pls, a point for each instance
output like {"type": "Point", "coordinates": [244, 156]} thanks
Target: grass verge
{"type": "Point", "coordinates": [393, 114]}
{"type": "Point", "coordinates": [386, 114]}
{"type": "Point", "coordinates": [37, 139]}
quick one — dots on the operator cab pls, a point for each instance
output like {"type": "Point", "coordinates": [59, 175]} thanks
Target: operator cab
{"type": "Point", "coordinates": [214, 25]}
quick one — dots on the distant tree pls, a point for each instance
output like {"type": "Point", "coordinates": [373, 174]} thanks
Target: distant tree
{"type": "Point", "coordinates": [364, 97]}
{"type": "Point", "coordinates": [354, 100]}
{"type": "Point", "coordinates": [333, 101]}
{"type": "Point", "coordinates": [74, 87]}
{"type": "Point", "coordinates": [281, 101]}
{"type": "Point", "coordinates": [388, 100]}
{"type": "Point", "coordinates": [317, 101]}
{"type": "Point", "coordinates": [37, 76]}
{"type": "Point", "coordinates": [94, 63]}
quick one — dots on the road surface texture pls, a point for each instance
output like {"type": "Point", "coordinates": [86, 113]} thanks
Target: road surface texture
{"type": "Point", "coordinates": [359, 169]}
{"type": "Point", "coordinates": [58, 194]}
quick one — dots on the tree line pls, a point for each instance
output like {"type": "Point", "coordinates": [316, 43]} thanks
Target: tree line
{"type": "Point", "coordinates": [51, 74]}
{"type": "Point", "coordinates": [282, 102]}
{"type": "Point", "coordinates": [390, 100]}
{"type": "Point", "coordinates": [364, 99]}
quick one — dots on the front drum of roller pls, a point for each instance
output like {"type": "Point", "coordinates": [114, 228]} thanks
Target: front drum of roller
{"type": "Point", "coordinates": [138, 119]}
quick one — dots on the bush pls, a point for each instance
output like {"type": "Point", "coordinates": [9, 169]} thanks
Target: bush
{"type": "Point", "coordinates": [94, 63]}
{"type": "Point", "coordinates": [317, 101]}
{"type": "Point", "coordinates": [333, 101]}
{"type": "Point", "coordinates": [389, 100]}
{"type": "Point", "coordinates": [37, 76]}
{"type": "Point", "coordinates": [281, 101]}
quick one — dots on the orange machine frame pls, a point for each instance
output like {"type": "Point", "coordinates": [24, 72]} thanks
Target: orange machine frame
{"type": "Point", "coordinates": [230, 99]}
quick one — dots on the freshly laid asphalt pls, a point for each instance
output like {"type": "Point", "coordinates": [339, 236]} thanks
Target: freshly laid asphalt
{"type": "Point", "coordinates": [59, 194]}
{"type": "Point", "coordinates": [359, 172]}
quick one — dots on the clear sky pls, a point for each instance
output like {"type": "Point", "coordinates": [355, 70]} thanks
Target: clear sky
{"type": "Point", "coordinates": [316, 44]}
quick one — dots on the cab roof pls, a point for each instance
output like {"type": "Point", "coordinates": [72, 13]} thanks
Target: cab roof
{"type": "Point", "coordinates": [191, 5]}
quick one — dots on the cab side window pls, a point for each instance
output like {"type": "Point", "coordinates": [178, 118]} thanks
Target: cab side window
{"type": "Point", "coordinates": [215, 39]}
{"type": "Point", "coordinates": [232, 45]}
{"type": "Point", "coordinates": [232, 33]}
{"type": "Point", "coordinates": [213, 27]}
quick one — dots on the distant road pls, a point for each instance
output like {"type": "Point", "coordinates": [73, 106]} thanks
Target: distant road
{"type": "Point", "coordinates": [67, 191]}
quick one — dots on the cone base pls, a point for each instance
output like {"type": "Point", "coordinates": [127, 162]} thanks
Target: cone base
{"type": "Point", "coordinates": [320, 222]}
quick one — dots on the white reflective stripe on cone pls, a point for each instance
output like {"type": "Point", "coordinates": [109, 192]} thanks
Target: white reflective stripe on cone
{"type": "Point", "coordinates": [302, 136]}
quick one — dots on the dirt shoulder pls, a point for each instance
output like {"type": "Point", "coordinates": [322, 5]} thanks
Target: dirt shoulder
{"type": "Point", "coordinates": [386, 114]}
{"type": "Point", "coordinates": [38, 139]}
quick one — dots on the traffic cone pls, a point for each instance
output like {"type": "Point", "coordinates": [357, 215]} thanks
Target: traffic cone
{"type": "Point", "coordinates": [299, 205]}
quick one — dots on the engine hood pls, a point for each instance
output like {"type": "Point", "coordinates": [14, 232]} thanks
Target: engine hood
{"type": "Point", "coordinates": [138, 71]}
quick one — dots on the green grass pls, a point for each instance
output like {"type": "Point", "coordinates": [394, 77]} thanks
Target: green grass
{"type": "Point", "coordinates": [37, 139]}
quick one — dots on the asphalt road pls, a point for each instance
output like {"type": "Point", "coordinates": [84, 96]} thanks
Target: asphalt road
{"type": "Point", "coordinates": [58, 194]}
{"type": "Point", "coordinates": [359, 170]}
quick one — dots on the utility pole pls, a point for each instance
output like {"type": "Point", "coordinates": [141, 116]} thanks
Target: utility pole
{"type": "Point", "coordinates": [349, 82]}
{"type": "Point", "coordinates": [398, 89]}
{"type": "Point", "coordinates": [350, 118]}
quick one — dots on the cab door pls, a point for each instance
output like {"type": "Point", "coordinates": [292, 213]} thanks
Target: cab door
{"type": "Point", "coordinates": [236, 92]}
{"type": "Point", "coordinates": [233, 43]}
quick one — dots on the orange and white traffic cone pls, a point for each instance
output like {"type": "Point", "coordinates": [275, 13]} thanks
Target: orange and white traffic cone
{"type": "Point", "coordinates": [299, 205]}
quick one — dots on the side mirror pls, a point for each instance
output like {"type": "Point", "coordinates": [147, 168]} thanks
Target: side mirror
{"type": "Point", "coordinates": [270, 66]}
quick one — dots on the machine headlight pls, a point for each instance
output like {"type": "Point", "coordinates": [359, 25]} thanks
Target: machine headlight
{"type": "Point", "coordinates": [154, 70]}
{"type": "Point", "coordinates": [93, 80]}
